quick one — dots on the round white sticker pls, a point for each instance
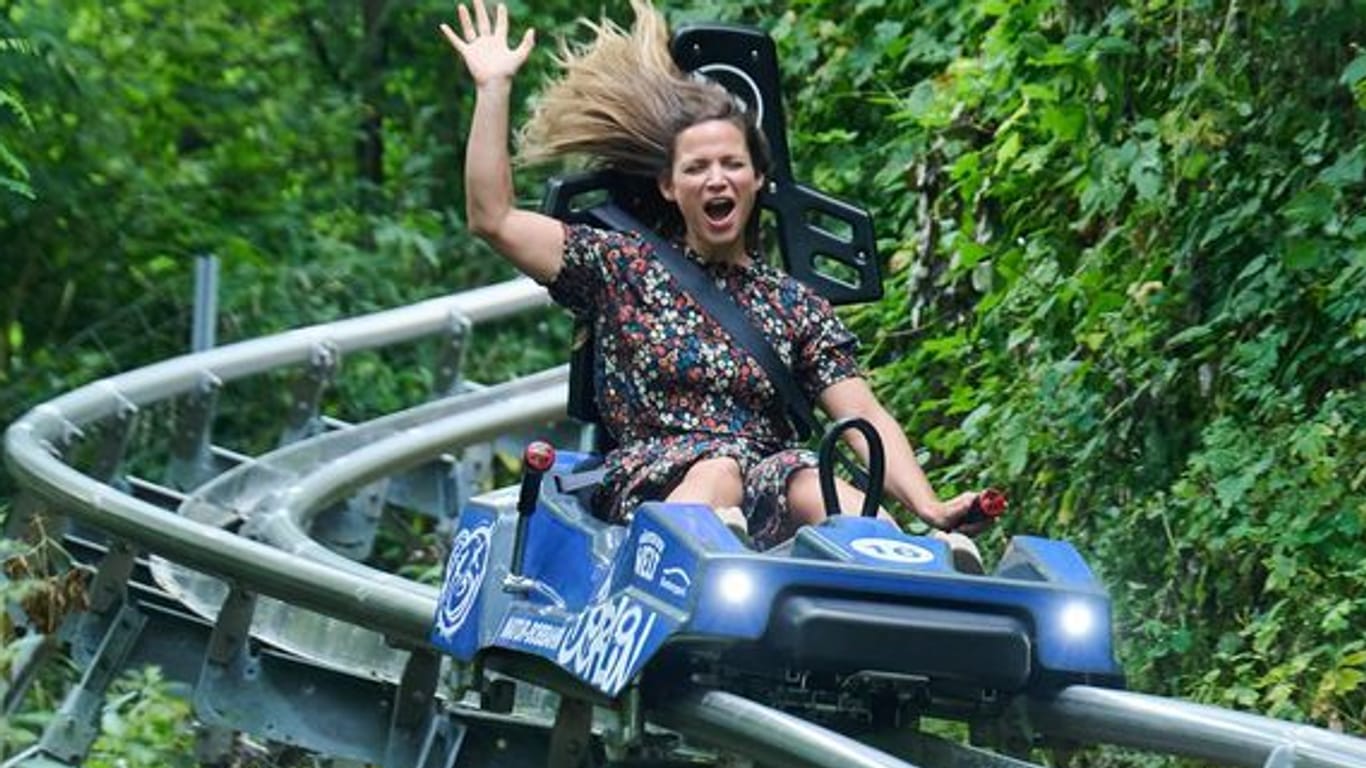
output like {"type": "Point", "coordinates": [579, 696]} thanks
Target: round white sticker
{"type": "Point", "coordinates": [892, 550]}
{"type": "Point", "coordinates": [464, 576]}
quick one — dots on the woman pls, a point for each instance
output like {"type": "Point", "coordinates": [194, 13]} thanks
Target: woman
{"type": "Point", "coordinates": [690, 411]}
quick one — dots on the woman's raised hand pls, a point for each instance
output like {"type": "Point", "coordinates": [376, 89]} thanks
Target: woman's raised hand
{"type": "Point", "coordinates": [484, 44]}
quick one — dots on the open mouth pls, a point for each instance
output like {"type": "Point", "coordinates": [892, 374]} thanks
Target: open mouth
{"type": "Point", "coordinates": [718, 209]}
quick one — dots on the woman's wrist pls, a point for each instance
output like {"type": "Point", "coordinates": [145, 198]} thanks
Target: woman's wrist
{"type": "Point", "coordinates": [494, 84]}
{"type": "Point", "coordinates": [934, 513]}
{"type": "Point", "coordinates": [925, 504]}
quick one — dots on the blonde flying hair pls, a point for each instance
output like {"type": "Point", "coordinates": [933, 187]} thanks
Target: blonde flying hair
{"type": "Point", "coordinates": [621, 101]}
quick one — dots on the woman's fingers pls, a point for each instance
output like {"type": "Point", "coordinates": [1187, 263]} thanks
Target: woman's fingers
{"type": "Point", "coordinates": [466, 25]}
{"type": "Point", "coordinates": [454, 39]}
{"type": "Point", "coordinates": [500, 22]}
{"type": "Point", "coordinates": [528, 40]}
{"type": "Point", "coordinates": [481, 18]}
{"type": "Point", "coordinates": [484, 47]}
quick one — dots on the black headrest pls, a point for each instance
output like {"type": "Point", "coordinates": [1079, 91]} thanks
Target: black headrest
{"type": "Point", "coordinates": [826, 243]}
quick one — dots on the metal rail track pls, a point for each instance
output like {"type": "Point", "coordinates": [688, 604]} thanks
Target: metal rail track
{"type": "Point", "coordinates": [273, 500]}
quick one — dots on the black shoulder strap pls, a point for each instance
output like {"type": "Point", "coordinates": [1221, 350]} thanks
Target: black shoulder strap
{"type": "Point", "coordinates": [725, 311]}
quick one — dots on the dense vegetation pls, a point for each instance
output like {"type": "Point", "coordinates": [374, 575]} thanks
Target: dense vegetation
{"type": "Point", "coordinates": [1126, 245]}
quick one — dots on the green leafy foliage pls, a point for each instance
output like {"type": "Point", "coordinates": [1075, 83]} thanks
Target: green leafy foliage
{"type": "Point", "coordinates": [143, 723]}
{"type": "Point", "coordinates": [313, 147]}
{"type": "Point", "coordinates": [13, 172]}
{"type": "Point", "coordinates": [1127, 265]}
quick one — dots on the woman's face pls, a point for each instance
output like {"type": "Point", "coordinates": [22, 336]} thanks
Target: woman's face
{"type": "Point", "coordinates": [714, 184]}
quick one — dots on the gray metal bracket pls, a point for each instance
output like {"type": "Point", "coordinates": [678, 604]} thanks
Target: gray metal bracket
{"type": "Point", "coordinates": [31, 653]}
{"type": "Point", "coordinates": [106, 592]}
{"type": "Point", "coordinates": [1281, 757]}
{"type": "Point", "coordinates": [285, 700]}
{"type": "Point", "coordinates": [450, 363]}
{"type": "Point", "coordinates": [305, 418]}
{"type": "Point", "coordinates": [192, 462]}
{"type": "Point", "coordinates": [111, 440]}
{"type": "Point", "coordinates": [110, 584]}
{"type": "Point", "coordinates": [28, 506]}
{"type": "Point", "coordinates": [420, 734]}
{"type": "Point", "coordinates": [572, 736]}
{"type": "Point", "coordinates": [440, 488]}
{"type": "Point", "coordinates": [114, 436]}
{"type": "Point", "coordinates": [349, 527]}
{"type": "Point", "coordinates": [75, 726]}
{"type": "Point", "coordinates": [1010, 733]}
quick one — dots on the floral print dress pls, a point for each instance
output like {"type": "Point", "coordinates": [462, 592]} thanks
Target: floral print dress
{"type": "Point", "coordinates": [674, 388]}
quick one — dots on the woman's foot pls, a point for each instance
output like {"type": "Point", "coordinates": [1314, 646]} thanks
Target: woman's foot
{"type": "Point", "coordinates": [966, 557]}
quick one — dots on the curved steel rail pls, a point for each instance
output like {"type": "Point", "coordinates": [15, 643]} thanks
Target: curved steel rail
{"type": "Point", "coordinates": [398, 611]}
{"type": "Point", "coordinates": [740, 725]}
{"type": "Point", "coordinates": [281, 492]}
{"type": "Point", "coordinates": [1191, 730]}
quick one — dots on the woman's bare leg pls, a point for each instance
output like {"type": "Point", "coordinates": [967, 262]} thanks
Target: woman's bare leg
{"type": "Point", "coordinates": [716, 483]}
{"type": "Point", "coordinates": [806, 507]}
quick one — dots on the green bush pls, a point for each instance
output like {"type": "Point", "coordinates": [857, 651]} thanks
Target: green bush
{"type": "Point", "coordinates": [1127, 249]}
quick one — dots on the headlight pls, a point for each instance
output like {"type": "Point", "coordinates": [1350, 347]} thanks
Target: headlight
{"type": "Point", "coordinates": [1078, 619]}
{"type": "Point", "coordinates": [735, 586]}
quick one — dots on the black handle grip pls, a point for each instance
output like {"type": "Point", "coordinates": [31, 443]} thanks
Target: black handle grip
{"type": "Point", "coordinates": [877, 466]}
{"type": "Point", "coordinates": [536, 460]}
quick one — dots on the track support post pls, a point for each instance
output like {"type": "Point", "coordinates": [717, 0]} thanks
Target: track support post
{"type": "Point", "coordinates": [450, 363]}
{"type": "Point", "coordinates": [305, 419]}
{"type": "Point", "coordinates": [192, 462]}
{"type": "Point", "coordinates": [419, 732]}
{"type": "Point", "coordinates": [74, 728]}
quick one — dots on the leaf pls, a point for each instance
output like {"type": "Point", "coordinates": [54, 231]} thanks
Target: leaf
{"type": "Point", "coordinates": [1017, 455]}
{"type": "Point", "coordinates": [8, 160]}
{"type": "Point", "coordinates": [1190, 335]}
{"type": "Point", "coordinates": [1355, 71]}
{"type": "Point", "coordinates": [1306, 253]}
{"type": "Point", "coordinates": [1349, 169]}
{"type": "Point", "coordinates": [17, 187]}
{"type": "Point", "coordinates": [973, 421]}
{"type": "Point", "coordinates": [1063, 121]}
{"type": "Point", "coordinates": [1019, 336]}
{"type": "Point", "coordinates": [16, 335]}
{"type": "Point", "coordinates": [919, 103]}
{"type": "Point", "coordinates": [1111, 44]}
{"type": "Point", "coordinates": [1007, 151]}
{"type": "Point", "coordinates": [1145, 174]}
{"type": "Point", "coordinates": [1231, 490]}
{"type": "Point", "coordinates": [11, 101]}
{"type": "Point", "coordinates": [1312, 207]}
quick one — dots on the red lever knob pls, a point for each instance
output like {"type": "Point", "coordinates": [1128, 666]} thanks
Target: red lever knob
{"type": "Point", "coordinates": [992, 502]}
{"type": "Point", "coordinates": [989, 505]}
{"type": "Point", "coordinates": [539, 456]}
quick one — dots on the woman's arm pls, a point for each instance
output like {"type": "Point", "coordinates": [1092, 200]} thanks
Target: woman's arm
{"type": "Point", "coordinates": [906, 481]}
{"type": "Point", "coordinates": [533, 242]}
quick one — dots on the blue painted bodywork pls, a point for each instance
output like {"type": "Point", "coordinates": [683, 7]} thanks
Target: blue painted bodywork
{"type": "Point", "coordinates": [600, 601]}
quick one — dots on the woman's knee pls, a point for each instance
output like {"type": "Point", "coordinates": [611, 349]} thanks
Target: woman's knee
{"type": "Point", "coordinates": [724, 473]}
{"type": "Point", "coordinates": [720, 478]}
{"type": "Point", "coordinates": [804, 503]}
